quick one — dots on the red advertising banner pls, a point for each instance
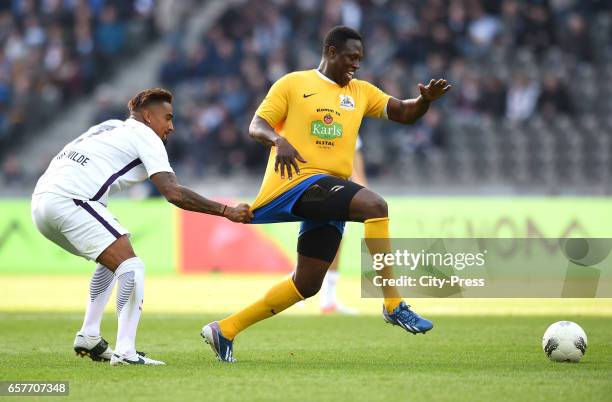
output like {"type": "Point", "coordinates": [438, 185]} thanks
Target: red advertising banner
{"type": "Point", "coordinates": [212, 244]}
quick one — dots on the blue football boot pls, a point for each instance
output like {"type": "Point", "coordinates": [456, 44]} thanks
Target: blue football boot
{"type": "Point", "coordinates": [407, 319]}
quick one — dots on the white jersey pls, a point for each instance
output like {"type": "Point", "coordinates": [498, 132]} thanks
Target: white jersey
{"type": "Point", "coordinates": [108, 158]}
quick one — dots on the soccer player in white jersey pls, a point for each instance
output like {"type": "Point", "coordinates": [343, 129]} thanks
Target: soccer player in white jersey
{"type": "Point", "coordinates": [69, 208]}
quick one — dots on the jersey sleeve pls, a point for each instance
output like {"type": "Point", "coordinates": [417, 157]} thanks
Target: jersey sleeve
{"type": "Point", "coordinates": [152, 154]}
{"type": "Point", "coordinates": [377, 101]}
{"type": "Point", "coordinates": [274, 107]}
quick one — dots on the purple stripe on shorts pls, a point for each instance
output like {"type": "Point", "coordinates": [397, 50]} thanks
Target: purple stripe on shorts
{"type": "Point", "coordinates": [114, 177]}
{"type": "Point", "coordinates": [96, 215]}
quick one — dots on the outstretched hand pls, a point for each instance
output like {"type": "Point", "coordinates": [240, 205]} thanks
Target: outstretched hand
{"type": "Point", "coordinates": [286, 156]}
{"type": "Point", "coordinates": [241, 213]}
{"type": "Point", "coordinates": [434, 90]}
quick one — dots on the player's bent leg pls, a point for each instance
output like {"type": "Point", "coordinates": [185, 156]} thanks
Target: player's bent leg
{"type": "Point", "coordinates": [372, 209]}
{"type": "Point", "coordinates": [100, 289]}
{"type": "Point", "coordinates": [317, 248]}
{"type": "Point", "coordinates": [376, 234]}
{"type": "Point", "coordinates": [66, 224]}
{"type": "Point", "coordinates": [334, 198]}
{"type": "Point", "coordinates": [116, 253]}
{"type": "Point", "coordinates": [130, 296]}
{"type": "Point", "coordinates": [309, 275]}
{"type": "Point", "coordinates": [89, 230]}
{"type": "Point", "coordinates": [321, 243]}
{"type": "Point", "coordinates": [328, 199]}
{"type": "Point", "coordinates": [220, 334]}
{"type": "Point", "coordinates": [365, 205]}
{"type": "Point", "coordinates": [129, 271]}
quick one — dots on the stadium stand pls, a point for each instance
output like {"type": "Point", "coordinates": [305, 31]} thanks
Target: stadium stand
{"type": "Point", "coordinates": [530, 105]}
{"type": "Point", "coordinates": [526, 107]}
{"type": "Point", "coordinates": [54, 51]}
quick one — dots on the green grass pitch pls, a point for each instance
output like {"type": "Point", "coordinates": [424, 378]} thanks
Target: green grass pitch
{"type": "Point", "coordinates": [308, 358]}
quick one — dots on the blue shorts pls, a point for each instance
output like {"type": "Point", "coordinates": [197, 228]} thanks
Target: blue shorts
{"type": "Point", "coordinates": [279, 209]}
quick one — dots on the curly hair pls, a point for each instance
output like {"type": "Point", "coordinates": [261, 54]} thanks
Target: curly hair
{"type": "Point", "coordinates": [148, 96]}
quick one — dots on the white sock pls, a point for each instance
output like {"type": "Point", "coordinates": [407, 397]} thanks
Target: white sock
{"type": "Point", "coordinates": [328, 289]}
{"type": "Point", "coordinates": [100, 289]}
{"type": "Point", "coordinates": [130, 295]}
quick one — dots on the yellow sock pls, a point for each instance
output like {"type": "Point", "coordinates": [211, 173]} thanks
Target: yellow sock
{"type": "Point", "coordinates": [377, 240]}
{"type": "Point", "coordinates": [277, 299]}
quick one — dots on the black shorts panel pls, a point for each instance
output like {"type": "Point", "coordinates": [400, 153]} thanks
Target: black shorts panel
{"type": "Point", "coordinates": [321, 243]}
{"type": "Point", "coordinates": [328, 198]}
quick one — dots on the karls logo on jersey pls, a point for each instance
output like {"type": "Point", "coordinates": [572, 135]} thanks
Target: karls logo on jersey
{"type": "Point", "coordinates": [326, 129]}
{"type": "Point", "coordinates": [347, 102]}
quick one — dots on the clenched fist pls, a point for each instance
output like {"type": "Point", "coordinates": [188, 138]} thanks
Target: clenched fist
{"type": "Point", "coordinates": [240, 213]}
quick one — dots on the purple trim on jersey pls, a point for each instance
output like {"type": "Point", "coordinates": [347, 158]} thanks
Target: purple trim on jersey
{"type": "Point", "coordinates": [96, 215]}
{"type": "Point", "coordinates": [114, 177]}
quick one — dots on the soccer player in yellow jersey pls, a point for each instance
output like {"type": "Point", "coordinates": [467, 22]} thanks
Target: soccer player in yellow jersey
{"type": "Point", "coordinates": [311, 120]}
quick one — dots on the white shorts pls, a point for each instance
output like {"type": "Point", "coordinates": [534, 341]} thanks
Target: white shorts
{"type": "Point", "coordinates": [83, 228]}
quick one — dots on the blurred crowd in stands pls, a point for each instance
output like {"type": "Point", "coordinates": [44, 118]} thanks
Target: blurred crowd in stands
{"type": "Point", "coordinates": [506, 59]}
{"type": "Point", "coordinates": [509, 62]}
{"type": "Point", "coordinates": [54, 51]}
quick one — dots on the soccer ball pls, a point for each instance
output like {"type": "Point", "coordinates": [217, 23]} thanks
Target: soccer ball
{"type": "Point", "coordinates": [564, 341]}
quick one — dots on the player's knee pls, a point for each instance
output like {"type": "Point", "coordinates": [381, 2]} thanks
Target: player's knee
{"type": "Point", "coordinates": [308, 288]}
{"type": "Point", "coordinates": [375, 207]}
{"type": "Point", "coordinates": [117, 253]}
{"type": "Point", "coordinates": [134, 264]}
{"type": "Point", "coordinates": [368, 205]}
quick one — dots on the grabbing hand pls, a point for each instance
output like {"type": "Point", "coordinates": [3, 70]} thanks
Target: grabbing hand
{"type": "Point", "coordinates": [286, 156]}
{"type": "Point", "coordinates": [434, 90]}
{"type": "Point", "coordinates": [241, 213]}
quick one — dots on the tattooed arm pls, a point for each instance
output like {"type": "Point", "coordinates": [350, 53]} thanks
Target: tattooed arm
{"type": "Point", "coordinates": [185, 198]}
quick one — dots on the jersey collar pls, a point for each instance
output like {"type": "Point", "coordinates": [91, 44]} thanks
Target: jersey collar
{"type": "Point", "coordinates": [323, 77]}
{"type": "Point", "coordinates": [138, 125]}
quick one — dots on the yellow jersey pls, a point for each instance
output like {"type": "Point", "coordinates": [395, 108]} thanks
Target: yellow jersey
{"type": "Point", "coordinates": [321, 120]}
